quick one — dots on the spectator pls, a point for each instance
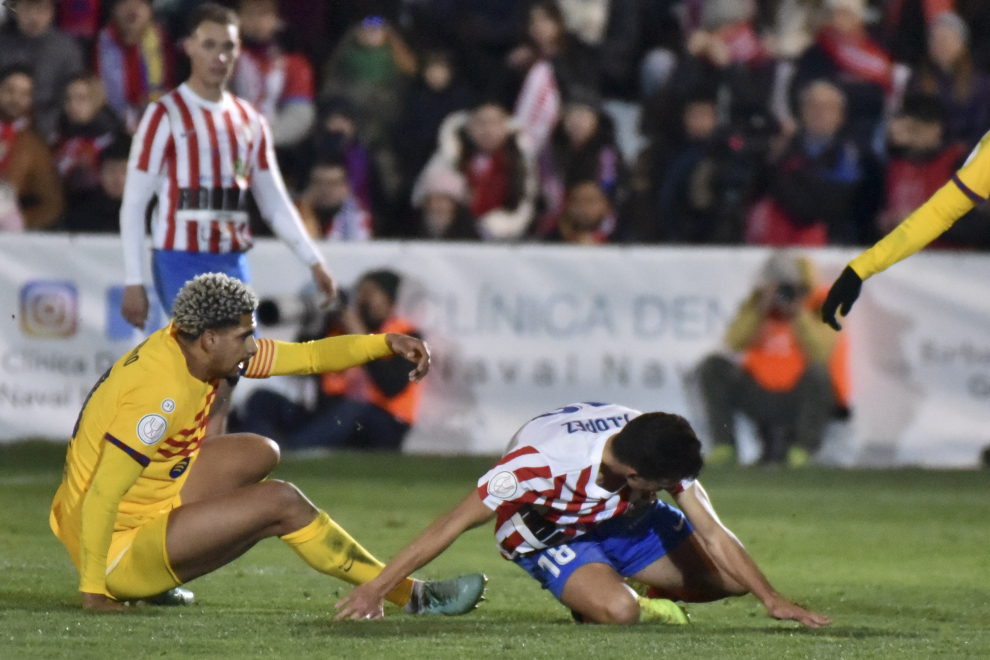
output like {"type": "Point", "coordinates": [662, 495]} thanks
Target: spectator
{"type": "Point", "coordinates": [441, 201]}
{"type": "Point", "coordinates": [906, 27]}
{"type": "Point", "coordinates": [336, 136]}
{"type": "Point", "coordinates": [25, 162]}
{"type": "Point", "coordinates": [726, 58]}
{"type": "Point", "coordinates": [86, 128]}
{"type": "Point", "coordinates": [370, 67]}
{"type": "Point", "coordinates": [583, 148]}
{"type": "Point", "coordinates": [845, 55]}
{"type": "Point", "coordinates": [921, 162]}
{"type": "Point", "coordinates": [588, 218]}
{"type": "Point", "coordinates": [701, 191]}
{"type": "Point", "coordinates": [783, 381]}
{"type": "Point", "coordinates": [278, 83]}
{"type": "Point", "coordinates": [813, 183]}
{"type": "Point", "coordinates": [98, 210]}
{"type": "Point", "coordinates": [610, 31]}
{"type": "Point", "coordinates": [950, 74]}
{"type": "Point", "coordinates": [134, 59]}
{"type": "Point", "coordinates": [328, 207]}
{"type": "Point", "coordinates": [52, 57]}
{"type": "Point", "coordinates": [370, 407]}
{"type": "Point", "coordinates": [489, 150]}
{"type": "Point", "coordinates": [548, 64]}
{"type": "Point", "coordinates": [435, 95]}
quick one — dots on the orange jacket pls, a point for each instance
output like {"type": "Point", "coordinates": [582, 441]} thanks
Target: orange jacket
{"type": "Point", "coordinates": [355, 383]}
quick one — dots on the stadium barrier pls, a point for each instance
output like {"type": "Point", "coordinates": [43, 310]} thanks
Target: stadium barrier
{"type": "Point", "coordinates": [517, 330]}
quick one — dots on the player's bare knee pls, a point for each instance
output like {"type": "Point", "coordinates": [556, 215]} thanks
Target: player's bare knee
{"type": "Point", "coordinates": [265, 453]}
{"type": "Point", "coordinates": [621, 610]}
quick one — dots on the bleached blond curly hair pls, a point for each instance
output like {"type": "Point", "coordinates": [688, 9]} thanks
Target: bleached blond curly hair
{"type": "Point", "coordinates": [212, 300]}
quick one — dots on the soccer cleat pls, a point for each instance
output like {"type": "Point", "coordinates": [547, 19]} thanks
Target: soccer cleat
{"type": "Point", "coordinates": [448, 597]}
{"type": "Point", "coordinates": [798, 457]}
{"type": "Point", "coordinates": [172, 597]}
{"type": "Point", "coordinates": [661, 610]}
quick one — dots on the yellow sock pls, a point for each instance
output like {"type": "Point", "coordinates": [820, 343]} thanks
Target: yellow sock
{"type": "Point", "coordinates": [324, 545]}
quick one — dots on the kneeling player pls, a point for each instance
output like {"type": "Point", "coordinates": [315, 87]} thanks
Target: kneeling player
{"type": "Point", "coordinates": [147, 504]}
{"type": "Point", "coordinates": [576, 508]}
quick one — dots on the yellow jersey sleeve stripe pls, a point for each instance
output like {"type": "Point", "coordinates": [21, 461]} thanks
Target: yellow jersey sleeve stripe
{"type": "Point", "coordinates": [140, 458]}
{"type": "Point", "coordinates": [260, 366]}
{"type": "Point", "coordinates": [966, 190]}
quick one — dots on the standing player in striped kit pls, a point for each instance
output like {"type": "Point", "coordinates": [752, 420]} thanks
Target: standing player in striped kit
{"type": "Point", "coordinates": [199, 149]}
{"type": "Point", "coordinates": [575, 506]}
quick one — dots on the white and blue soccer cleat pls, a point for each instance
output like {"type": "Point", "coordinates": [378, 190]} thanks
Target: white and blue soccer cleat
{"type": "Point", "coordinates": [448, 597]}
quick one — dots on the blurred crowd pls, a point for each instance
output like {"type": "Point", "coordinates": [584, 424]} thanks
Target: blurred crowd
{"type": "Point", "coordinates": [767, 122]}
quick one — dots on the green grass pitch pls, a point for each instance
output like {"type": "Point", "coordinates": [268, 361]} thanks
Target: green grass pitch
{"type": "Point", "coordinates": [899, 559]}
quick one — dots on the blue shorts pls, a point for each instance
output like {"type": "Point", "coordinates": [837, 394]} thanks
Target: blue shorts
{"type": "Point", "coordinates": [173, 268]}
{"type": "Point", "coordinates": [628, 544]}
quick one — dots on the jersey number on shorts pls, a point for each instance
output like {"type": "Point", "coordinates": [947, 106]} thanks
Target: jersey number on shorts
{"type": "Point", "coordinates": [562, 555]}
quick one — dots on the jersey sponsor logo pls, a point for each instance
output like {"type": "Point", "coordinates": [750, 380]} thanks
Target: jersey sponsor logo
{"type": "Point", "coordinates": [168, 405]}
{"type": "Point", "coordinates": [503, 485]}
{"type": "Point", "coordinates": [179, 468]}
{"type": "Point", "coordinates": [600, 425]}
{"type": "Point", "coordinates": [151, 428]}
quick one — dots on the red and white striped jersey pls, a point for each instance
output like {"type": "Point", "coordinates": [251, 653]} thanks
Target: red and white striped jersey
{"type": "Point", "coordinates": [205, 155]}
{"type": "Point", "coordinates": [543, 491]}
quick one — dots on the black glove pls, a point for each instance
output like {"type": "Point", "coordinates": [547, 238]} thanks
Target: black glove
{"type": "Point", "coordinates": [841, 296]}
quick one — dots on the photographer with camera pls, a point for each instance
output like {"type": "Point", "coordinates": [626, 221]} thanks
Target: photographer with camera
{"type": "Point", "coordinates": [787, 374]}
{"type": "Point", "coordinates": [370, 407]}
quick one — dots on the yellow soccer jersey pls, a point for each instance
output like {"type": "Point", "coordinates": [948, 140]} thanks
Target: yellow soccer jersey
{"type": "Point", "coordinates": [149, 408]}
{"type": "Point", "coordinates": [968, 187]}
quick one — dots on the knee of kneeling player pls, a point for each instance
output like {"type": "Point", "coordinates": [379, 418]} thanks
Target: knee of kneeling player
{"type": "Point", "coordinates": [619, 610]}
{"type": "Point", "coordinates": [265, 451]}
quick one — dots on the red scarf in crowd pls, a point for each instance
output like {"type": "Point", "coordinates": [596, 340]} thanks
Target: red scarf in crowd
{"type": "Point", "coordinates": [858, 56]}
{"type": "Point", "coordinates": [8, 135]}
{"type": "Point", "coordinates": [488, 180]}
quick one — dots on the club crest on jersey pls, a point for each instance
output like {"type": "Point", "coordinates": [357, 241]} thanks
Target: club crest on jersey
{"type": "Point", "coordinates": [503, 485]}
{"type": "Point", "coordinates": [179, 468]}
{"type": "Point", "coordinates": [168, 405]}
{"type": "Point", "coordinates": [151, 428]}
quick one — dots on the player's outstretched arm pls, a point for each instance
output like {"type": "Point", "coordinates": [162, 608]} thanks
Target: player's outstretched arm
{"type": "Point", "coordinates": [930, 221]}
{"type": "Point", "coordinates": [731, 558]}
{"type": "Point", "coordinates": [279, 358]}
{"type": "Point", "coordinates": [365, 602]}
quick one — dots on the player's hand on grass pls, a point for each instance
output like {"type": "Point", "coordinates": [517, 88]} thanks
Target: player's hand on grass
{"type": "Point", "coordinates": [788, 611]}
{"type": "Point", "coordinates": [414, 350]}
{"type": "Point", "coordinates": [841, 296]}
{"type": "Point", "coordinates": [134, 305]}
{"type": "Point", "coordinates": [100, 603]}
{"type": "Point", "coordinates": [363, 604]}
{"type": "Point", "coordinates": [324, 282]}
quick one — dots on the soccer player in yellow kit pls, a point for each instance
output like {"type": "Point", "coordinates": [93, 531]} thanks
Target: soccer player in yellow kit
{"type": "Point", "coordinates": [147, 503]}
{"type": "Point", "coordinates": [967, 188]}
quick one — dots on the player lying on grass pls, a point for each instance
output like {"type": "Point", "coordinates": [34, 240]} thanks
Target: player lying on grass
{"type": "Point", "coordinates": [575, 506]}
{"type": "Point", "coordinates": [147, 504]}
{"type": "Point", "coordinates": [967, 188]}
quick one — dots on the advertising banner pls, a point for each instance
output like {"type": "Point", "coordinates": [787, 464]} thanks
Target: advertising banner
{"type": "Point", "coordinates": [519, 330]}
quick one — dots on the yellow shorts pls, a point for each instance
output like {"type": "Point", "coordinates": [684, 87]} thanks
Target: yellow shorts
{"type": "Point", "coordinates": [138, 565]}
